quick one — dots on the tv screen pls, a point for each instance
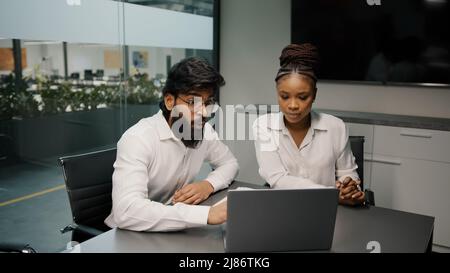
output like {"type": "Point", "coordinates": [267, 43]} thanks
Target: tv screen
{"type": "Point", "coordinates": [386, 41]}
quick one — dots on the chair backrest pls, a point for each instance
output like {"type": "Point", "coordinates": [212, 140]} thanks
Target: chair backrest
{"type": "Point", "coordinates": [357, 146]}
{"type": "Point", "coordinates": [88, 179]}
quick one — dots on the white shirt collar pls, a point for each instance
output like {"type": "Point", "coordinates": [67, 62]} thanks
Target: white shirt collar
{"type": "Point", "coordinates": [163, 128]}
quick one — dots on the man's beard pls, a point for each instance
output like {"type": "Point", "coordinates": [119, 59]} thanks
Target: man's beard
{"type": "Point", "coordinates": [190, 139]}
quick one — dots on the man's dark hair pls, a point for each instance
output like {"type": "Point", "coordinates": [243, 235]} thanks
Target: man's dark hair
{"type": "Point", "coordinates": [190, 74]}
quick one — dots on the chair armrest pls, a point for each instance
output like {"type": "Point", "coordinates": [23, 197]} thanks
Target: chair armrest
{"type": "Point", "coordinates": [89, 230]}
{"type": "Point", "coordinates": [82, 228]}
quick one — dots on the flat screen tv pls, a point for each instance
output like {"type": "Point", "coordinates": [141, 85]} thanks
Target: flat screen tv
{"type": "Point", "coordinates": [380, 41]}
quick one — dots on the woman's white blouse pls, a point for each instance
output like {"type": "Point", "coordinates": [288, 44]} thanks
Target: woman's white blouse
{"type": "Point", "coordinates": [323, 157]}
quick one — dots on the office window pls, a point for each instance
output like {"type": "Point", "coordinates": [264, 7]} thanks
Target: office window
{"type": "Point", "coordinates": [89, 71]}
{"type": "Point", "coordinates": [199, 7]}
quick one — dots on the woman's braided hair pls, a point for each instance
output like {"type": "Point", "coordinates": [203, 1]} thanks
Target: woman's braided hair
{"type": "Point", "coordinates": [300, 59]}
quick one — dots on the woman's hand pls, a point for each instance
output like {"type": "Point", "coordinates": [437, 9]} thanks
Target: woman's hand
{"type": "Point", "coordinates": [349, 192]}
{"type": "Point", "coordinates": [193, 193]}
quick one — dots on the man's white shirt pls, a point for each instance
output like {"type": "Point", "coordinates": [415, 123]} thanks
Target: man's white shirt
{"type": "Point", "coordinates": [323, 155]}
{"type": "Point", "coordinates": [151, 165]}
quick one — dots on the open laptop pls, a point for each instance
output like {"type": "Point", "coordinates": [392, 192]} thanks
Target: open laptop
{"type": "Point", "coordinates": [280, 220]}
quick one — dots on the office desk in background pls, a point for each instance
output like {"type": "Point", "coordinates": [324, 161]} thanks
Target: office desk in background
{"type": "Point", "coordinates": [395, 231]}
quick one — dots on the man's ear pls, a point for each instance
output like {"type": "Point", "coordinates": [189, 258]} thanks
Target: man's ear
{"type": "Point", "coordinates": [169, 101]}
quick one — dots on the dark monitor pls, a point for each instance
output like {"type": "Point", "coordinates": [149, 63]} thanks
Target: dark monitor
{"type": "Point", "coordinates": [401, 41]}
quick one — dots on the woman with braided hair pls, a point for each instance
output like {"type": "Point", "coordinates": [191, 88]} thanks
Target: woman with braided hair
{"type": "Point", "coordinates": [299, 148]}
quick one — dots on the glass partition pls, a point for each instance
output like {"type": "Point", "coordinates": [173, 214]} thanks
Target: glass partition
{"type": "Point", "coordinates": [74, 75]}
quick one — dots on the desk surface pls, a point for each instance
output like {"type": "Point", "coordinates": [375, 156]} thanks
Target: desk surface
{"type": "Point", "coordinates": [395, 231]}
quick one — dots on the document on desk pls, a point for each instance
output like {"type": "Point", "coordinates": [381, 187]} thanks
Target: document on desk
{"type": "Point", "coordinates": [237, 189]}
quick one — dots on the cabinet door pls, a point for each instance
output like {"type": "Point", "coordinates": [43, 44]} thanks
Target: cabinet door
{"type": "Point", "coordinates": [416, 186]}
{"type": "Point", "coordinates": [412, 143]}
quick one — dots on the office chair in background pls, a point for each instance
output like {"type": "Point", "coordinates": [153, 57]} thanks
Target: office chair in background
{"type": "Point", "coordinates": [88, 179]}
{"type": "Point", "coordinates": [75, 76]}
{"type": "Point", "coordinates": [99, 73]}
{"type": "Point", "coordinates": [88, 75]}
{"type": "Point", "coordinates": [357, 146]}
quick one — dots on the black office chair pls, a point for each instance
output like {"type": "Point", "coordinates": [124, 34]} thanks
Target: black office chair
{"type": "Point", "coordinates": [75, 76]}
{"type": "Point", "coordinates": [88, 179]}
{"type": "Point", "coordinates": [14, 247]}
{"type": "Point", "coordinates": [357, 146]}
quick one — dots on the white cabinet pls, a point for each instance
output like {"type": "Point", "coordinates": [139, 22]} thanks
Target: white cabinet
{"type": "Point", "coordinates": [413, 143]}
{"type": "Point", "coordinates": [417, 186]}
{"type": "Point", "coordinates": [411, 172]}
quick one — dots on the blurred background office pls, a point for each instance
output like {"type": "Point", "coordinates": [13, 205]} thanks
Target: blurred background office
{"type": "Point", "coordinates": [74, 75]}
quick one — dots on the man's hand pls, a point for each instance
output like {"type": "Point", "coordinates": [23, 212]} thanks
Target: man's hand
{"type": "Point", "coordinates": [350, 194]}
{"type": "Point", "coordinates": [218, 214]}
{"type": "Point", "coordinates": [193, 193]}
